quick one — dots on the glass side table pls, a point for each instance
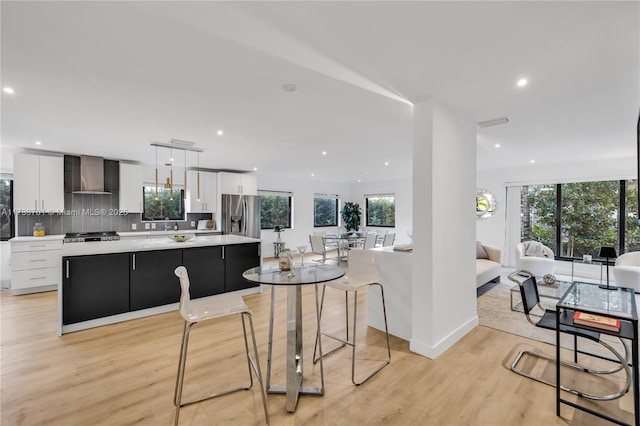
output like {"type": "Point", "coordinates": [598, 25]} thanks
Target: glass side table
{"type": "Point", "coordinates": [580, 261]}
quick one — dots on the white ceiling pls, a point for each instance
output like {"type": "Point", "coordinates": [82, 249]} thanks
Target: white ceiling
{"type": "Point", "coordinates": [108, 78]}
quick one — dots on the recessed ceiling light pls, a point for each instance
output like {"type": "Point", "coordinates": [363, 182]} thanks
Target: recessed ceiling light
{"type": "Point", "coordinates": [220, 132]}
{"type": "Point", "coordinates": [8, 90]}
{"type": "Point", "coordinates": [359, 180]}
{"type": "Point", "coordinates": [324, 152]}
{"type": "Point", "coordinates": [255, 169]}
{"type": "Point", "coordinates": [497, 145]}
{"type": "Point", "coordinates": [522, 82]}
{"type": "Point", "coordinates": [386, 163]}
{"type": "Point", "coordinates": [313, 174]}
{"type": "Point", "coordinates": [532, 161]}
{"type": "Point", "coordinates": [38, 143]}
{"type": "Point", "coordinates": [289, 87]}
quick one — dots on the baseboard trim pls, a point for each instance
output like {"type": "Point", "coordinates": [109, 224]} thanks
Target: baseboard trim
{"type": "Point", "coordinates": [433, 351]}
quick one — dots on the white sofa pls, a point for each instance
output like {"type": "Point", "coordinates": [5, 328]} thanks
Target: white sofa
{"type": "Point", "coordinates": [626, 271]}
{"type": "Point", "coordinates": [487, 269]}
{"type": "Point", "coordinates": [539, 266]}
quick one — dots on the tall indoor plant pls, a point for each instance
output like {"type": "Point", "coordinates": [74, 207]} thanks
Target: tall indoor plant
{"type": "Point", "coordinates": [351, 216]}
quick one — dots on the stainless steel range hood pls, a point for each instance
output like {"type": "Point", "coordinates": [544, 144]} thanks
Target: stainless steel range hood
{"type": "Point", "coordinates": [91, 175]}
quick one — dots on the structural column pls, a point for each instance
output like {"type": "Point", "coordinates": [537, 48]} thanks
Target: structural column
{"type": "Point", "coordinates": [444, 228]}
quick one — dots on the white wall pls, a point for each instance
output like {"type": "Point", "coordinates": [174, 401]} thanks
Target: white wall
{"type": "Point", "coordinates": [303, 192]}
{"type": "Point", "coordinates": [402, 188]}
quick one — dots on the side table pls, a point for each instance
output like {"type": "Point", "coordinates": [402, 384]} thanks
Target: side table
{"type": "Point", "coordinates": [277, 246]}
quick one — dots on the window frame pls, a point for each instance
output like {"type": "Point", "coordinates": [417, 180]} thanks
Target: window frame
{"type": "Point", "coordinates": [336, 199]}
{"type": "Point", "coordinates": [620, 226]}
{"type": "Point", "coordinates": [288, 194]}
{"type": "Point", "coordinates": [366, 210]}
{"type": "Point", "coordinates": [183, 211]}
{"type": "Point", "coordinates": [11, 214]}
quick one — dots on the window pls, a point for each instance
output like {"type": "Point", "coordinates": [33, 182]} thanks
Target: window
{"type": "Point", "coordinates": [538, 214]}
{"type": "Point", "coordinates": [170, 204]}
{"type": "Point", "coordinates": [325, 210]}
{"type": "Point", "coordinates": [631, 226]}
{"type": "Point", "coordinates": [381, 210]}
{"type": "Point", "coordinates": [575, 219]}
{"type": "Point", "coordinates": [275, 209]}
{"type": "Point", "coordinates": [7, 222]}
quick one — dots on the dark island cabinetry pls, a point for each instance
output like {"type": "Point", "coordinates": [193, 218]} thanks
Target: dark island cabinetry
{"type": "Point", "coordinates": [94, 286]}
{"type": "Point", "coordinates": [206, 268]}
{"type": "Point", "coordinates": [152, 281]}
{"type": "Point", "coordinates": [97, 286]}
{"type": "Point", "coordinates": [238, 259]}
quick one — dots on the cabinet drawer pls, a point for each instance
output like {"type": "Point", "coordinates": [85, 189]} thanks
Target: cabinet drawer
{"type": "Point", "coordinates": [36, 246]}
{"type": "Point", "coordinates": [35, 278]}
{"type": "Point", "coordinates": [35, 259]}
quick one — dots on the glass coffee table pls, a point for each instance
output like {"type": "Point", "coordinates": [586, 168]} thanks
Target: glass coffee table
{"type": "Point", "coordinates": [552, 292]}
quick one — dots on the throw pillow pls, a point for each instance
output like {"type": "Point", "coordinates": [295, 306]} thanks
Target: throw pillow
{"type": "Point", "coordinates": [535, 248]}
{"type": "Point", "coordinates": [480, 252]}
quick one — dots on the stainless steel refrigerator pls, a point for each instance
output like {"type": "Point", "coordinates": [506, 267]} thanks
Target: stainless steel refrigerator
{"type": "Point", "coordinates": [241, 215]}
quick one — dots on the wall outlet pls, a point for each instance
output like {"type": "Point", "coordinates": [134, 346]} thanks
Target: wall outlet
{"type": "Point", "coordinates": [146, 226]}
{"type": "Point", "coordinates": [134, 226]}
{"type": "Point", "coordinates": [153, 226]}
{"type": "Point", "coordinates": [193, 223]}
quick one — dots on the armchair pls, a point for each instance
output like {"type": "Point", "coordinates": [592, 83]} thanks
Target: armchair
{"type": "Point", "coordinates": [527, 259]}
{"type": "Point", "coordinates": [626, 272]}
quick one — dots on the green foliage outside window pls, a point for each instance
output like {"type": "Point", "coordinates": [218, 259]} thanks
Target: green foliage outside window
{"type": "Point", "coordinates": [6, 213]}
{"type": "Point", "coordinates": [325, 211]}
{"type": "Point", "coordinates": [275, 211]}
{"type": "Point", "coordinates": [589, 216]}
{"type": "Point", "coordinates": [164, 207]}
{"type": "Point", "coordinates": [381, 211]}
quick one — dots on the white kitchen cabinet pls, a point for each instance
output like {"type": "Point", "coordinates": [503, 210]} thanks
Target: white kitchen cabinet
{"type": "Point", "coordinates": [35, 266]}
{"type": "Point", "coordinates": [131, 187]}
{"type": "Point", "coordinates": [208, 192]}
{"type": "Point", "coordinates": [238, 183]}
{"type": "Point", "coordinates": [38, 182]}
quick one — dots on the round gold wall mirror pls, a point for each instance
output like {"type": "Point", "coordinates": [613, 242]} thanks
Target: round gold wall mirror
{"type": "Point", "coordinates": [485, 204]}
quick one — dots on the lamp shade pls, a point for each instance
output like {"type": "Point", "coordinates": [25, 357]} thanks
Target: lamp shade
{"type": "Point", "coordinates": [608, 252]}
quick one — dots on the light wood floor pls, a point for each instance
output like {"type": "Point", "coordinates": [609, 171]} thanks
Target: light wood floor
{"type": "Point", "coordinates": [125, 374]}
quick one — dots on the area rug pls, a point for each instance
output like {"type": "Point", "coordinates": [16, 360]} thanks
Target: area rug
{"type": "Point", "coordinates": [494, 311]}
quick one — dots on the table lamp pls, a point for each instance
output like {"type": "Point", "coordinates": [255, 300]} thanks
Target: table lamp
{"type": "Point", "coordinates": [608, 252]}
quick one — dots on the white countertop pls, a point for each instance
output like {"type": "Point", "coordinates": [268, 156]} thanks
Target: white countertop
{"type": "Point", "coordinates": [162, 233]}
{"type": "Point", "coordinates": [145, 244]}
{"type": "Point", "coordinates": [30, 239]}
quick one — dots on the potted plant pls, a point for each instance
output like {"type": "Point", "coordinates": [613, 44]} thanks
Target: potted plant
{"type": "Point", "coordinates": [278, 229]}
{"type": "Point", "coordinates": [351, 216]}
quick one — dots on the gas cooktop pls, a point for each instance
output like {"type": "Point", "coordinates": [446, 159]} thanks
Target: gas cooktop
{"type": "Point", "coordinates": [81, 237]}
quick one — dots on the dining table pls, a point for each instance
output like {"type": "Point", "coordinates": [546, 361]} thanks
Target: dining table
{"type": "Point", "coordinates": [344, 242]}
{"type": "Point", "coordinates": [294, 279]}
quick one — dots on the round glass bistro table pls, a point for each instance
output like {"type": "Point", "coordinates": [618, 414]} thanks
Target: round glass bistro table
{"type": "Point", "coordinates": [293, 280]}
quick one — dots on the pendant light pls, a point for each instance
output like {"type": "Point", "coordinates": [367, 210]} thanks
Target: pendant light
{"type": "Point", "coordinates": [171, 177]}
{"type": "Point", "coordinates": [156, 172]}
{"type": "Point", "coordinates": [198, 175]}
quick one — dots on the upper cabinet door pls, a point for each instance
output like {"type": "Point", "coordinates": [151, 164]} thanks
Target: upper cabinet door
{"type": "Point", "coordinates": [237, 183]}
{"type": "Point", "coordinates": [131, 187]}
{"type": "Point", "coordinates": [39, 182]}
{"type": "Point", "coordinates": [201, 192]}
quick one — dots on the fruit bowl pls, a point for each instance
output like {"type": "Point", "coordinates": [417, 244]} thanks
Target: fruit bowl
{"type": "Point", "coordinates": [180, 238]}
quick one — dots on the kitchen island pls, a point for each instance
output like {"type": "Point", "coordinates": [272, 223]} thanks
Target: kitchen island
{"type": "Point", "coordinates": [105, 282]}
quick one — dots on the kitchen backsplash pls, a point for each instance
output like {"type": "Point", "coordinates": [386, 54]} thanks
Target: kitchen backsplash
{"type": "Point", "coordinates": [93, 212]}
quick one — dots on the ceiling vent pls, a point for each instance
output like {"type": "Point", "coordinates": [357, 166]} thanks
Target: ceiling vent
{"type": "Point", "coordinates": [494, 122]}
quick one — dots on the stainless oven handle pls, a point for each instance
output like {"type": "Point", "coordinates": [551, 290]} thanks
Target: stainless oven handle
{"type": "Point", "coordinates": [67, 269]}
{"type": "Point", "coordinates": [134, 261]}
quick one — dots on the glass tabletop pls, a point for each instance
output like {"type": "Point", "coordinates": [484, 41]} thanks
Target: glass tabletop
{"type": "Point", "coordinates": [307, 274]}
{"type": "Point", "coordinates": [619, 303]}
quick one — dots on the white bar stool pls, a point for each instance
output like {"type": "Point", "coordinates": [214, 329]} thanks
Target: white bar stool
{"type": "Point", "coordinates": [208, 308]}
{"type": "Point", "coordinates": [356, 279]}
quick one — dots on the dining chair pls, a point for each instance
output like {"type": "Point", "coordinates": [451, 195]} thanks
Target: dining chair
{"type": "Point", "coordinates": [360, 276]}
{"type": "Point", "coordinates": [318, 247]}
{"type": "Point", "coordinates": [388, 240]}
{"type": "Point", "coordinates": [530, 301]}
{"type": "Point", "coordinates": [369, 242]}
{"type": "Point", "coordinates": [209, 308]}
